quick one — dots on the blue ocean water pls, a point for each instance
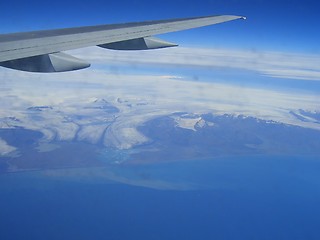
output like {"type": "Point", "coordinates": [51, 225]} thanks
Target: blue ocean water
{"type": "Point", "coordinates": [237, 198]}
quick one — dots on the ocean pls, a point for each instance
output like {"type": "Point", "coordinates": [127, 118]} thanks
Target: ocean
{"type": "Point", "coordinates": [227, 198]}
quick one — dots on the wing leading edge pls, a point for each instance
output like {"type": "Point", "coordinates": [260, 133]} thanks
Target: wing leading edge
{"type": "Point", "coordinates": [40, 51]}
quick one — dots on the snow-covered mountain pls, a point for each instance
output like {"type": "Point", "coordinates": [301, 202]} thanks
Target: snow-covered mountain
{"type": "Point", "coordinates": [146, 132]}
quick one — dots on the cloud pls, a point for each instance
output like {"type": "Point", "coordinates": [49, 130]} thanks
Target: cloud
{"type": "Point", "coordinates": [5, 149]}
{"type": "Point", "coordinates": [273, 64]}
{"type": "Point", "coordinates": [141, 97]}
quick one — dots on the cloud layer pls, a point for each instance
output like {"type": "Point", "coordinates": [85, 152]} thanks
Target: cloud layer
{"type": "Point", "coordinates": [140, 97]}
{"type": "Point", "coordinates": [273, 64]}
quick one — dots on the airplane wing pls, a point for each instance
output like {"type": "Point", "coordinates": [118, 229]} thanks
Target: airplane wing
{"type": "Point", "coordinates": [42, 51]}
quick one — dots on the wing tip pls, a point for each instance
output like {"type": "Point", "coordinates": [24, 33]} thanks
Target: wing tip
{"type": "Point", "coordinates": [238, 17]}
{"type": "Point", "coordinates": [233, 17]}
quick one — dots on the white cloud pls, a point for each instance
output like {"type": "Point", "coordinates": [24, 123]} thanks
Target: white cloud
{"type": "Point", "coordinates": [273, 64]}
{"type": "Point", "coordinates": [146, 96]}
{"type": "Point", "coordinates": [5, 149]}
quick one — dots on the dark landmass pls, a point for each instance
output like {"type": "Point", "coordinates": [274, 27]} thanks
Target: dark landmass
{"type": "Point", "coordinates": [214, 136]}
{"type": "Point", "coordinates": [67, 154]}
{"type": "Point", "coordinates": [314, 115]}
{"type": "Point", "coordinates": [20, 138]}
{"type": "Point", "coordinates": [40, 108]}
{"type": "Point", "coordinates": [229, 135]}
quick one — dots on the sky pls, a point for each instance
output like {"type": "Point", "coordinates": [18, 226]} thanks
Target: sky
{"type": "Point", "coordinates": [286, 25]}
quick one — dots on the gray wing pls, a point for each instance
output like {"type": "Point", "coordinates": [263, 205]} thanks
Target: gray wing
{"type": "Point", "coordinates": [41, 51]}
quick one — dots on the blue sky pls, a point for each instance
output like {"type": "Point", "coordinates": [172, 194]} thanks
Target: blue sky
{"type": "Point", "coordinates": [285, 25]}
{"type": "Point", "coordinates": [276, 47]}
